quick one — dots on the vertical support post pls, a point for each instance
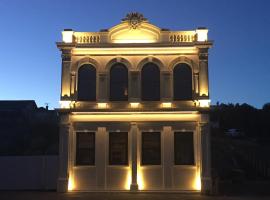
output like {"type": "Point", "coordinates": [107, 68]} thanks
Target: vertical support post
{"type": "Point", "coordinates": [66, 66]}
{"type": "Point", "coordinates": [134, 183]}
{"type": "Point", "coordinates": [134, 87]}
{"type": "Point", "coordinates": [72, 84]}
{"type": "Point", "coordinates": [101, 156]}
{"type": "Point", "coordinates": [203, 72]}
{"type": "Point", "coordinates": [206, 181]}
{"type": "Point", "coordinates": [166, 88]}
{"type": "Point", "coordinates": [168, 145]}
{"type": "Point", "coordinates": [102, 95]}
{"type": "Point", "coordinates": [62, 183]}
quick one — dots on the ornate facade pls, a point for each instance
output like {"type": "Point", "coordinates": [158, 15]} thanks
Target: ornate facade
{"type": "Point", "coordinates": [134, 109]}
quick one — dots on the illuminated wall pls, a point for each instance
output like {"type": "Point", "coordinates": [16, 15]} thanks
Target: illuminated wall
{"type": "Point", "coordinates": [134, 42]}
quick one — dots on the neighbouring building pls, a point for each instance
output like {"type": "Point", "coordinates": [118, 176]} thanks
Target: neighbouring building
{"type": "Point", "coordinates": [134, 109]}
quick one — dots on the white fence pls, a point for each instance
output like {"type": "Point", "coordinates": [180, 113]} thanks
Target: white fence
{"type": "Point", "coordinates": [28, 172]}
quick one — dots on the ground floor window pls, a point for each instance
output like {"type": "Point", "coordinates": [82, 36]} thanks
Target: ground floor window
{"type": "Point", "coordinates": [118, 148]}
{"type": "Point", "coordinates": [85, 148]}
{"type": "Point", "coordinates": [183, 148]}
{"type": "Point", "coordinates": [151, 148]}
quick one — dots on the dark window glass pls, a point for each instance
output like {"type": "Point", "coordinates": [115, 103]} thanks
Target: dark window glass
{"type": "Point", "coordinates": [151, 148]}
{"type": "Point", "coordinates": [150, 82]}
{"type": "Point", "coordinates": [182, 82]}
{"type": "Point", "coordinates": [85, 148]}
{"type": "Point", "coordinates": [118, 148]}
{"type": "Point", "coordinates": [118, 82]}
{"type": "Point", "coordinates": [87, 83]}
{"type": "Point", "coordinates": [183, 148]}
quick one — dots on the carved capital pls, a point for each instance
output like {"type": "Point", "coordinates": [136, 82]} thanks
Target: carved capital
{"type": "Point", "coordinates": [203, 54]}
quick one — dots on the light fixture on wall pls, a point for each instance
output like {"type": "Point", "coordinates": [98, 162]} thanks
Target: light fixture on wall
{"type": "Point", "coordinates": [166, 105]}
{"type": "Point", "coordinates": [134, 104]}
{"type": "Point", "coordinates": [203, 103]}
{"type": "Point", "coordinates": [102, 105]}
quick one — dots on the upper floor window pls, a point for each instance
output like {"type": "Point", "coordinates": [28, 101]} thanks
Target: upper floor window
{"type": "Point", "coordinates": [182, 82]}
{"type": "Point", "coordinates": [118, 82]}
{"type": "Point", "coordinates": [150, 82]}
{"type": "Point", "coordinates": [87, 83]}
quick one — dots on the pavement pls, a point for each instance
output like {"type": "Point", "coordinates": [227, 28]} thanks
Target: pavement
{"type": "Point", "coordinates": [41, 195]}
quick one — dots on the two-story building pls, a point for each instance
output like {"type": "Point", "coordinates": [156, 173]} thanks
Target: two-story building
{"type": "Point", "coordinates": [134, 109]}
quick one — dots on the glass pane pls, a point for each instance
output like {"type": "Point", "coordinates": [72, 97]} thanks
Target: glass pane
{"type": "Point", "coordinates": [182, 82]}
{"type": "Point", "coordinates": [85, 152]}
{"type": "Point", "coordinates": [87, 83]}
{"type": "Point", "coordinates": [150, 83]}
{"type": "Point", "coordinates": [183, 148]}
{"type": "Point", "coordinates": [151, 148]}
{"type": "Point", "coordinates": [118, 148]}
{"type": "Point", "coordinates": [118, 83]}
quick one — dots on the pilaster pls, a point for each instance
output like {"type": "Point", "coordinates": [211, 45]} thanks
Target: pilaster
{"type": "Point", "coordinates": [65, 81]}
{"type": "Point", "coordinates": [134, 183]}
{"type": "Point", "coordinates": [206, 181]}
{"type": "Point", "coordinates": [63, 175]}
{"type": "Point", "coordinates": [203, 73]}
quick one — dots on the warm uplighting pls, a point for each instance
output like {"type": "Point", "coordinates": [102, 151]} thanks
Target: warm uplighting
{"type": "Point", "coordinates": [67, 36]}
{"type": "Point", "coordinates": [134, 105]}
{"type": "Point", "coordinates": [65, 104]}
{"type": "Point", "coordinates": [166, 105]}
{"type": "Point", "coordinates": [203, 103]}
{"type": "Point", "coordinates": [140, 180]}
{"type": "Point", "coordinates": [128, 180]}
{"type": "Point", "coordinates": [70, 184]}
{"type": "Point", "coordinates": [102, 105]}
{"type": "Point", "coordinates": [202, 34]}
{"type": "Point", "coordinates": [135, 50]}
{"type": "Point", "coordinates": [135, 116]}
{"type": "Point", "coordinates": [197, 182]}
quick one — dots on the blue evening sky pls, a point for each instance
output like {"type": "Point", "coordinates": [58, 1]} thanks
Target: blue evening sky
{"type": "Point", "coordinates": [239, 62]}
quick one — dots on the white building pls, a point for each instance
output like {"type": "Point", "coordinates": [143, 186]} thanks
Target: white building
{"type": "Point", "coordinates": [134, 109]}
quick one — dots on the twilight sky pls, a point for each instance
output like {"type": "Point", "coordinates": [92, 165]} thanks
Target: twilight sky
{"type": "Point", "coordinates": [239, 62]}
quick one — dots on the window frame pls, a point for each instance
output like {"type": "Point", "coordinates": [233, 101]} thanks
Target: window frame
{"type": "Point", "coordinates": [126, 163]}
{"type": "Point", "coordinates": [174, 85]}
{"type": "Point", "coordinates": [142, 97]}
{"type": "Point", "coordinates": [125, 98]}
{"type": "Point", "coordinates": [177, 163]}
{"type": "Point", "coordinates": [142, 160]}
{"type": "Point", "coordinates": [93, 163]}
{"type": "Point", "coordinates": [78, 80]}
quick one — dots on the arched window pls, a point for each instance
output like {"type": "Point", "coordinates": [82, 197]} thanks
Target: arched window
{"type": "Point", "coordinates": [87, 83]}
{"type": "Point", "coordinates": [150, 82]}
{"type": "Point", "coordinates": [118, 82]}
{"type": "Point", "coordinates": [182, 82]}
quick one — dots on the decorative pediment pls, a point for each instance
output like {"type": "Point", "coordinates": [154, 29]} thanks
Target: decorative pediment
{"type": "Point", "coordinates": [134, 28]}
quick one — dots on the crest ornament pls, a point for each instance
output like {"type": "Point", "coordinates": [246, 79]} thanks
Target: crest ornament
{"type": "Point", "coordinates": [134, 19]}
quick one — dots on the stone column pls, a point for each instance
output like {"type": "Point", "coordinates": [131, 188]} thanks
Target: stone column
{"type": "Point", "coordinates": [166, 88]}
{"type": "Point", "coordinates": [203, 73]}
{"type": "Point", "coordinates": [62, 183]}
{"type": "Point", "coordinates": [134, 87]}
{"type": "Point", "coordinates": [102, 95]}
{"type": "Point", "coordinates": [72, 84]}
{"type": "Point", "coordinates": [196, 84]}
{"type": "Point", "coordinates": [134, 131]}
{"type": "Point", "coordinates": [65, 81]}
{"type": "Point", "coordinates": [101, 157]}
{"type": "Point", "coordinates": [168, 153]}
{"type": "Point", "coordinates": [206, 182]}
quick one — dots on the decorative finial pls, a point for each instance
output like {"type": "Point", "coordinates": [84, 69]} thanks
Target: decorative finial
{"type": "Point", "coordinates": [134, 19]}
